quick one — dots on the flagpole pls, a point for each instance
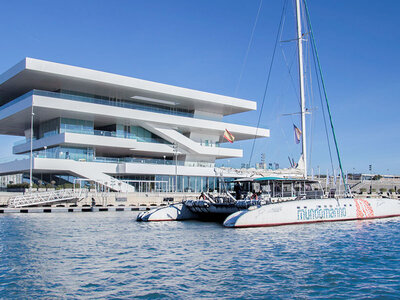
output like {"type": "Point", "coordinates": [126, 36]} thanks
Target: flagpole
{"type": "Point", "coordinates": [31, 153]}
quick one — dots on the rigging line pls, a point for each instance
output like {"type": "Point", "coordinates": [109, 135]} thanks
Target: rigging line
{"type": "Point", "coordinates": [285, 138]}
{"type": "Point", "coordinates": [279, 121]}
{"type": "Point", "coordinates": [311, 94]}
{"type": "Point", "coordinates": [268, 78]}
{"type": "Point", "coordinates": [326, 99]}
{"type": "Point", "coordinates": [248, 48]}
{"type": "Point", "coordinates": [289, 67]}
{"type": "Point", "coordinates": [323, 110]}
{"type": "Point", "coordinates": [308, 88]}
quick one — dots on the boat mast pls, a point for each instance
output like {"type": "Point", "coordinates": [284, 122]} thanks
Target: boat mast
{"type": "Point", "coordinates": [301, 77]}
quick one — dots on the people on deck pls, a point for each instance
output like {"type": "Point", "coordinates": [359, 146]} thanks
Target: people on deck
{"type": "Point", "coordinates": [238, 190]}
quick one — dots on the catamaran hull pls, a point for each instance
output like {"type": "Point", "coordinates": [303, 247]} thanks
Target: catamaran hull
{"type": "Point", "coordinates": [207, 211]}
{"type": "Point", "coordinates": [184, 211]}
{"type": "Point", "coordinates": [181, 212]}
{"type": "Point", "coordinates": [174, 212]}
{"type": "Point", "coordinates": [213, 214]}
{"type": "Point", "coordinates": [313, 211]}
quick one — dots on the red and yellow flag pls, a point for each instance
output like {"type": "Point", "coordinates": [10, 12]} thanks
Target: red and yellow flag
{"type": "Point", "coordinates": [229, 136]}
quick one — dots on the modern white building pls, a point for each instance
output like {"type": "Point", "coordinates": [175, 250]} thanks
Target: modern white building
{"type": "Point", "coordinates": [10, 179]}
{"type": "Point", "coordinates": [113, 129]}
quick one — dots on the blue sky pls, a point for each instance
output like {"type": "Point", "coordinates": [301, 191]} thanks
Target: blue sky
{"type": "Point", "coordinates": [202, 45]}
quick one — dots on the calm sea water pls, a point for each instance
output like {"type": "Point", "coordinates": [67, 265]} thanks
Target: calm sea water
{"type": "Point", "coordinates": [110, 255]}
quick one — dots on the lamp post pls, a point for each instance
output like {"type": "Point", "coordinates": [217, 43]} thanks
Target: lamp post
{"type": "Point", "coordinates": [45, 151]}
{"type": "Point", "coordinates": [175, 147]}
{"type": "Point", "coordinates": [31, 152]}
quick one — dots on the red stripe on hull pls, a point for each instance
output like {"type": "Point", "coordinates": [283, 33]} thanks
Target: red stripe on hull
{"type": "Point", "coordinates": [310, 222]}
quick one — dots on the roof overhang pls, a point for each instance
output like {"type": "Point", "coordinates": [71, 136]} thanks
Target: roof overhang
{"type": "Point", "coordinates": [32, 74]}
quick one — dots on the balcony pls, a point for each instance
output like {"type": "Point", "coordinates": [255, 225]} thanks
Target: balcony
{"type": "Point", "coordinates": [116, 103]}
{"type": "Point", "coordinates": [114, 134]}
{"type": "Point", "coordinates": [99, 133]}
{"type": "Point", "coordinates": [118, 160]}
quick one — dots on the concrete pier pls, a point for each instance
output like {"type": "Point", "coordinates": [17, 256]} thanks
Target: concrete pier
{"type": "Point", "coordinates": [7, 210]}
{"type": "Point", "coordinates": [100, 202]}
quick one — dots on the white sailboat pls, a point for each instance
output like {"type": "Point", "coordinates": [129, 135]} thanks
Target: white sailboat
{"type": "Point", "coordinates": [313, 210]}
{"type": "Point", "coordinates": [283, 200]}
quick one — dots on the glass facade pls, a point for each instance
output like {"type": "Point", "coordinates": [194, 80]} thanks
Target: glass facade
{"type": "Point", "coordinates": [209, 143]}
{"type": "Point", "coordinates": [138, 133]}
{"type": "Point", "coordinates": [123, 103]}
{"type": "Point", "coordinates": [88, 154]}
{"type": "Point", "coordinates": [75, 96]}
{"type": "Point", "coordinates": [61, 125]}
{"type": "Point", "coordinates": [62, 152]}
{"type": "Point", "coordinates": [48, 128]}
{"type": "Point", "coordinates": [76, 126]}
{"type": "Point", "coordinates": [153, 182]}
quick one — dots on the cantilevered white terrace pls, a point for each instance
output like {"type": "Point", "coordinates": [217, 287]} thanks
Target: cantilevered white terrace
{"type": "Point", "coordinates": [15, 115]}
{"type": "Point", "coordinates": [38, 74]}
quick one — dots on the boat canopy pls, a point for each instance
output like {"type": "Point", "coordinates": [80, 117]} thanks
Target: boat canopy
{"type": "Point", "coordinates": [272, 178]}
{"type": "Point", "coordinates": [244, 180]}
{"type": "Point", "coordinates": [285, 179]}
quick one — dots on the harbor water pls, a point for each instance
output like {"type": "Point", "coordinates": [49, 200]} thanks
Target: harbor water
{"type": "Point", "coordinates": [110, 255]}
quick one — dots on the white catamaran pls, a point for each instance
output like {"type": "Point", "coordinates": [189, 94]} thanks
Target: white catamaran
{"type": "Point", "coordinates": [313, 210]}
{"type": "Point", "coordinates": [281, 201]}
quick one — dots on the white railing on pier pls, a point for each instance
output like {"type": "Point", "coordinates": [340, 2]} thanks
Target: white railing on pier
{"type": "Point", "coordinates": [30, 199]}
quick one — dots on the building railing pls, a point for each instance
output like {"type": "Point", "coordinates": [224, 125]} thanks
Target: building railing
{"type": "Point", "coordinates": [8, 159]}
{"type": "Point", "coordinates": [101, 133]}
{"type": "Point", "coordinates": [44, 154]}
{"type": "Point", "coordinates": [117, 103]}
{"type": "Point", "coordinates": [114, 134]}
{"type": "Point", "coordinates": [128, 136]}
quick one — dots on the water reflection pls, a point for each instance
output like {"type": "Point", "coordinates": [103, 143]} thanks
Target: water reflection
{"type": "Point", "coordinates": [101, 255]}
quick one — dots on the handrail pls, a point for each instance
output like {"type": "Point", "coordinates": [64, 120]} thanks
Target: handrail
{"type": "Point", "coordinates": [30, 199]}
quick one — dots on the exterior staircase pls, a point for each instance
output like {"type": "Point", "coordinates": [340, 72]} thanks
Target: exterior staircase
{"type": "Point", "coordinates": [102, 178]}
{"type": "Point", "coordinates": [92, 171]}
